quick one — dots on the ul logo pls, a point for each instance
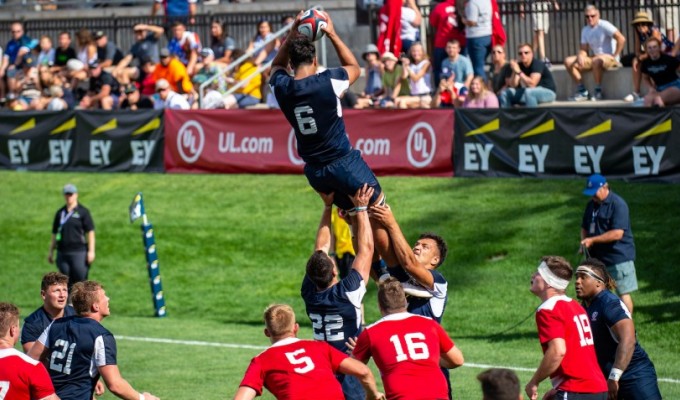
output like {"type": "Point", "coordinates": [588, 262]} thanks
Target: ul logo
{"type": "Point", "coordinates": [190, 141]}
{"type": "Point", "coordinates": [421, 145]}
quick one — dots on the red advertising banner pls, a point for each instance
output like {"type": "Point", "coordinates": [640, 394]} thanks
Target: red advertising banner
{"type": "Point", "coordinates": [393, 142]}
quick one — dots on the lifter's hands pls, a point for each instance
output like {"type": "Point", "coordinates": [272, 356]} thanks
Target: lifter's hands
{"type": "Point", "coordinates": [327, 198]}
{"type": "Point", "coordinates": [382, 214]}
{"type": "Point", "coordinates": [330, 28]}
{"type": "Point", "coordinates": [363, 196]}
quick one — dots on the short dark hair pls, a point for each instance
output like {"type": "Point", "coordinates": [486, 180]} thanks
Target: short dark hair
{"type": "Point", "coordinates": [9, 316]}
{"type": "Point", "coordinates": [600, 269]}
{"type": "Point", "coordinates": [177, 23]}
{"type": "Point", "coordinates": [301, 51]}
{"type": "Point", "coordinates": [499, 384]}
{"type": "Point", "coordinates": [559, 266]}
{"type": "Point", "coordinates": [391, 297]}
{"type": "Point", "coordinates": [441, 245]}
{"type": "Point", "coordinates": [320, 269]}
{"type": "Point", "coordinates": [53, 278]}
{"type": "Point", "coordinates": [453, 41]}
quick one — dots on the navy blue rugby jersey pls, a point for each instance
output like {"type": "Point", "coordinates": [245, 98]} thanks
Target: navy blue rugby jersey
{"type": "Point", "coordinates": [77, 347]}
{"type": "Point", "coordinates": [432, 307]}
{"type": "Point", "coordinates": [605, 310]}
{"type": "Point", "coordinates": [35, 324]}
{"type": "Point", "coordinates": [335, 312]}
{"type": "Point", "coordinates": [312, 107]}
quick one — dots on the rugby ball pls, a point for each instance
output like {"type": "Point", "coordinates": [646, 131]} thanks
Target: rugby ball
{"type": "Point", "coordinates": [311, 23]}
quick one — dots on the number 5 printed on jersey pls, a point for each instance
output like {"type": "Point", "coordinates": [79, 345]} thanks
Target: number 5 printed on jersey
{"type": "Point", "coordinates": [297, 357]}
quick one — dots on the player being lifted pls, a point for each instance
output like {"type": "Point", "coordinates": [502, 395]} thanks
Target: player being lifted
{"type": "Point", "coordinates": [310, 102]}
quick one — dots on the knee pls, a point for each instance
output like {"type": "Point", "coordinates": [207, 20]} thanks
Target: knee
{"type": "Point", "coordinates": [598, 63]}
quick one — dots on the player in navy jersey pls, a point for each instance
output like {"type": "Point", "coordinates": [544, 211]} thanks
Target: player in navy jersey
{"type": "Point", "coordinates": [78, 349]}
{"type": "Point", "coordinates": [629, 371]}
{"type": "Point", "coordinates": [54, 293]}
{"type": "Point", "coordinates": [21, 377]}
{"type": "Point", "coordinates": [310, 102]}
{"type": "Point", "coordinates": [333, 306]}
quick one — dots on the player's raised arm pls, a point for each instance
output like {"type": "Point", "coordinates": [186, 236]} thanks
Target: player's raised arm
{"type": "Point", "coordinates": [364, 235]}
{"type": "Point", "coordinates": [282, 57]}
{"type": "Point", "coordinates": [347, 59]}
{"type": "Point", "coordinates": [323, 234]}
{"type": "Point", "coordinates": [402, 250]}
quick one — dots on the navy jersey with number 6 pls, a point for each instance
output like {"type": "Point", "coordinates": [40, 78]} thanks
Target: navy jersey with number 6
{"type": "Point", "coordinates": [335, 312]}
{"type": "Point", "coordinates": [77, 346]}
{"type": "Point", "coordinates": [312, 107]}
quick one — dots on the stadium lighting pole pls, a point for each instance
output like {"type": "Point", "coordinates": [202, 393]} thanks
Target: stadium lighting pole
{"type": "Point", "coordinates": [137, 211]}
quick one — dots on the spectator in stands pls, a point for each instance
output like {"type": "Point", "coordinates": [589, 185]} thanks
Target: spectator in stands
{"type": "Point", "coordinates": [47, 52]}
{"type": "Point", "coordinates": [285, 21]}
{"type": "Point", "coordinates": [449, 93]}
{"type": "Point", "coordinates": [418, 75]}
{"type": "Point", "coordinates": [444, 21]}
{"type": "Point", "coordinates": [176, 10]}
{"type": "Point", "coordinates": [394, 85]}
{"type": "Point", "coordinates": [19, 45]}
{"type": "Point", "coordinates": [104, 92]}
{"type": "Point", "coordinates": [56, 100]}
{"type": "Point", "coordinates": [250, 94]}
{"type": "Point", "coordinates": [87, 48]}
{"type": "Point", "coordinates": [134, 100]}
{"type": "Point", "coordinates": [644, 30]}
{"type": "Point", "coordinates": [478, 33]}
{"type": "Point", "coordinates": [660, 72]}
{"type": "Point", "coordinates": [478, 96]}
{"type": "Point", "coordinates": [14, 103]}
{"type": "Point", "coordinates": [540, 24]}
{"type": "Point", "coordinates": [457, 64]}
{"type": "Point", "coordinates": [185, 45]}
{"type": "Point", "coordinates": [64, 51]}
{"type": "Point", "coordinates": [531, 82]}
{"type": "Point", "coordinates": [172, 70]}
{"type": "Point", "coordinates": [500, 69]}
{"type": "Point", "coordinates": [147, 84]}
{"type": "Point", "coordinates": [208, 68]}
{"type": "Point", "coordinates": [108, 54]}
{"type": "Point", "coordinates": [500, 384]}
{"type": "Point", "coordinates": [373, 72]}
{"type": "Point", "coordinates": [411, 18]}
{"type": "Point", "coordinates": [145, 45]}
{"type": "Point", "coordinates": [263, 53]}
{"type": "Point", "coordinates": [220, 41]}
{"type": "Point", "coordinates": [169, 99]}
{"type": "Point", "coordinates": [27, 82]}
{"type": "Point", "coordinates": [596, 53]}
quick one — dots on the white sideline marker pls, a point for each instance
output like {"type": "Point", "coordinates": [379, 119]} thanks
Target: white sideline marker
{"type": "Point", "coordinates": [249, 346]}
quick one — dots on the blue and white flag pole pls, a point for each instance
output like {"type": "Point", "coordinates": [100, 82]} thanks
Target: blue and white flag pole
{"type": "Point", "coordinates": [137, 211]}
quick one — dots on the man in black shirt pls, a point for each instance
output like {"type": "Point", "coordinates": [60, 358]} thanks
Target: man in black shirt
{"type": "Point", "coordinates": [531, 82]}
{"type": "Point", "coordinates": [63, 52]}
{"type": "Point", "coordinates": [104, 89]}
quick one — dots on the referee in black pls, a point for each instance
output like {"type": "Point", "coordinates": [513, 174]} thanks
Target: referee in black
{"type": "Point", "coordinates": [73, 238]}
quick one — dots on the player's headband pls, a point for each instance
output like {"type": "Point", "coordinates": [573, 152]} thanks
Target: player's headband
{"type": "Point", "coordinates": [583, 269]}
{"type": "Point", "coordinates": [550, 278]}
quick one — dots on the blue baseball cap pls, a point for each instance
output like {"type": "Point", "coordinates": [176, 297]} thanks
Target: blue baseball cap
{"type": "Point", "coordinates": [70, 188]}
{"type": "Point", "coordinates": [594, 183]}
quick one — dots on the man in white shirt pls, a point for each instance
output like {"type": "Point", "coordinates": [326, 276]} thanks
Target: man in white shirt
{"type": "Point", "coordinates": [597, 38]}
{"type": "Point", "coordinates": [170, 99]}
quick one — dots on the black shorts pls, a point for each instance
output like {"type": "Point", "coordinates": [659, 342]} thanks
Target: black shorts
{"type": "Point", "coordinates": [343, 176]}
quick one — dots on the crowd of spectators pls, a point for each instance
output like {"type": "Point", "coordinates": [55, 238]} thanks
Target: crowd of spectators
{"type": "Point", "coordinates": [465, 68]}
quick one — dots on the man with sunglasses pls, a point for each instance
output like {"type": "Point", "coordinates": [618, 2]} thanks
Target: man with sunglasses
{"type": "Point", "coordinates": [73, 238]}
{"type": "Point", "coordinates": [596, 53]}
{"type": "Point", "coordinates": [531, 82]}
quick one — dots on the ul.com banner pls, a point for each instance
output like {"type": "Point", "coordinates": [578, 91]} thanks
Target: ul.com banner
{"type": "Point", "coordinates": [82, 141]}
{"type": "Point", "coordinates": [262, 141]}
{"type": "Point", "coordinates": [627, 143]}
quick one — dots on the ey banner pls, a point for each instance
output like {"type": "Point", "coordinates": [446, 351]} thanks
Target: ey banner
{"type": "Point", "coordinates": [624, 143]}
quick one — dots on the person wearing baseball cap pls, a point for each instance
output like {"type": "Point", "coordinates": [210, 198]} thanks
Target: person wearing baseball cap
{"type": "Point", "coordinates": [73, 238]}
{"type": "Point", "coordinates": [606, 235]}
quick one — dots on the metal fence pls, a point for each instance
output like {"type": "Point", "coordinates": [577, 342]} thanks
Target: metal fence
{"type": "Point", "coordinates": [242, 27]}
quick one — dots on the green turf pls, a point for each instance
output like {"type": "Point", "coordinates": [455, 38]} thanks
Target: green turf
{"type": "Point", "coordinates": [229, 245]}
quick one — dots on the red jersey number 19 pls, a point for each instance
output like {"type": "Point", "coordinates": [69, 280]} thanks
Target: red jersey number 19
{"type": "Point", "coordinates": [415, 346]}
{"type": "Point", "coordinates": [584, 331]}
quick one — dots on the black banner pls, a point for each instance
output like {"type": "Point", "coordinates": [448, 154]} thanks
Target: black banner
{"type": "Point", "coordinates": [82, 141]}
{"type": "Point", "coordinates": [624, 143]}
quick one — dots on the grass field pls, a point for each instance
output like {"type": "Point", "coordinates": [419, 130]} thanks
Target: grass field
{"type": "Point", "coordinates": [229, 245]}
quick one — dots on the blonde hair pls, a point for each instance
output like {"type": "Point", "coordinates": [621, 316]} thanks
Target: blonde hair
{"type": "Point", "coordinates": [279, 319]}
{"type": "Point", "coordinates": [84, 295]}
{"type": "Point", "coordinates": [9, 317]}
{"type": "Point", "coordinates": [482, 92]}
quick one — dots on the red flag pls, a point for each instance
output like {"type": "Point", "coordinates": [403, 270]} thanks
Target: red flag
{"type": "Point", "coordinates": [389, 25]}
{"type": "Point", "coordinates": [498, 36]}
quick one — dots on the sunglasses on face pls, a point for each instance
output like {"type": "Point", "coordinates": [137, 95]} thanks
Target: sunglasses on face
{"type": "Point", "coordinates": [521, 53]}
{"type": "Point", "coordinates": [590, 16]}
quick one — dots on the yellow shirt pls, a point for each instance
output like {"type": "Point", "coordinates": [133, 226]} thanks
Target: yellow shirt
{"type": "Point", "coordinates": [253, 86]}
{"type": "Point", "coordinates": [342, 235]}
